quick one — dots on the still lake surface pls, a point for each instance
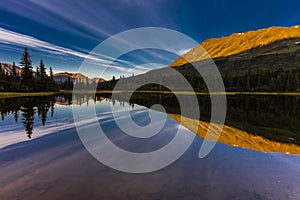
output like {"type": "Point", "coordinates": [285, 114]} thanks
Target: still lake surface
{"type": "Point", "coordinates": [42, 157]}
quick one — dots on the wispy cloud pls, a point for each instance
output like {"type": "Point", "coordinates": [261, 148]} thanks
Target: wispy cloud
{"type": "Point", "coordinates": [8, 37]}
{"type": "Point", "coordinates": [13, 38]}
{"type": "Point", "coordinates": [80, 26]}
{"type": "Point", "coordinates": [183, 51]}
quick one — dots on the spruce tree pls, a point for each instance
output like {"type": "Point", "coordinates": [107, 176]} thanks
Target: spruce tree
{"type": "Point", "coordinates": [51, 74]}
{"type": "Point", "coordinates": [14, 70]}
{"type": "Point", "coordinates": [51, 84]}
{"type": "Point", "coordinates": [27, 75]}
{"type": "Point", "coordinates": [37, 72]}
{"type": "Point", "coordinates": [43, 71]}
{"type": "Point", "coordinates": [1, 71]}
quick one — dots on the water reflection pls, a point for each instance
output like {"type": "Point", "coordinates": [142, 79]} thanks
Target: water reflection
{"type": "Point", "coordinates": [27, 109]}
{"type": "Point", "coordinates": [276, 118]}
{"type": "Point", "coordinates": [262, 123]}
{"type": "Point", "coordinates": [28, 106]}
{"type": "Point", "coordinates": [52, 167]}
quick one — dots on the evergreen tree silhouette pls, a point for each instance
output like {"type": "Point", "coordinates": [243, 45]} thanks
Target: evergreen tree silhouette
{"type": "Point", "coordinates": [14, 70]}
{"type": "Point", "coordinates": [43, 108]}
{"type": "Point", "coordinates": [27, 75]}
{"type": "Point", "coordinates": [28, 118]}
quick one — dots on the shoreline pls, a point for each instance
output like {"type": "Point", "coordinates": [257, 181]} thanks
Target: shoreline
{"type": "Point", "coordinates": [28, 94]}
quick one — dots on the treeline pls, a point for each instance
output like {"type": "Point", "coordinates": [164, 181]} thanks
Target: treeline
{"type": "Point", "coordinates": [67, 85]}
{"type": "Point", "coordinates": [107, 85]}
{"type": "Point", "coordinates": [276, 72]}
{"type": "Point", "coordinates": [27, 80]}
{"type": "Point", "coordinates": [253, 80]}
{"type": "Point", "coordinates": [264, 81]}
{"type": "Point", "coordinates": [87, 85]}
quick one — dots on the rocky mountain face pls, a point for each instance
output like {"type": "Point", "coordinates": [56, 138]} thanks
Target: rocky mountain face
{"type": "Point", "coordinates": [66, 76]}
{"type": "Point", "coordinates": [8, 68]}
{"type": "Point", "coordinates": [239, 43]}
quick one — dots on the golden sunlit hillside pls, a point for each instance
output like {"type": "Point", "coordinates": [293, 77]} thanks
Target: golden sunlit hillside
{"type": "Point", "coordinates": [237, 43]}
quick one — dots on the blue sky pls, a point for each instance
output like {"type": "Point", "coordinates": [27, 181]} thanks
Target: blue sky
{"type": "Point", "coordinates": [62, 33]}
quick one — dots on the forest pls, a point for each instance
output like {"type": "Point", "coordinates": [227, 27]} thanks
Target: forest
{"type": "Point", "coordinates": [27, 80]}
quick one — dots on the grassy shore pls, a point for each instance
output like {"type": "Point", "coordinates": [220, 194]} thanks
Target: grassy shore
{"type": "Point", "coordinates": [27, 94]}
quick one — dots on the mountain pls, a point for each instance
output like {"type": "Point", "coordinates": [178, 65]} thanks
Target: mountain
{"type": "Point", "coordinates": [238, 43]}
{"type": "Point", "coordinates": [266, 60]}
{"type": "Point", "coordinates": [269, 68]}
{"type": "Point", "coordinates": [8, 68]}
{"type": "Point", "coordinates": [65, 76]}
{"type": "Point", "coordinates": [98, 80]}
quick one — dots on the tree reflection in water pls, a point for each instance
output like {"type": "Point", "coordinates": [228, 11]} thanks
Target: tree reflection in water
{"type": "Point", "coordinates": [276, 118]}
{"type": "Point", "coordinates": [28, 106]}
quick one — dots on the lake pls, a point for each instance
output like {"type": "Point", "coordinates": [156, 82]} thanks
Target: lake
{"type": "Point", "coordinates": [257, 156]}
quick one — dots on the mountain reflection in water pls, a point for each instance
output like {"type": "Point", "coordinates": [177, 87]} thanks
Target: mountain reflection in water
{"type": "Point", "coordinates": [263, 123]}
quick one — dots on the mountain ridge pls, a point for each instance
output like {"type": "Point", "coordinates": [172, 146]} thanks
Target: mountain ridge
{"type": "Point", "coordinates": [238, 43]}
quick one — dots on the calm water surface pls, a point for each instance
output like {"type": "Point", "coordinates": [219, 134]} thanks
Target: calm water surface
{"type": "Point", "coordinates": [42, 157]}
